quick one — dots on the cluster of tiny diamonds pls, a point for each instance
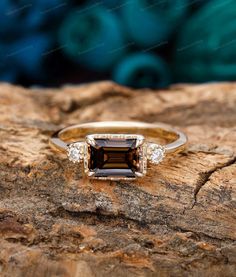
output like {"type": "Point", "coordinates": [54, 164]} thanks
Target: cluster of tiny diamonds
{"type": "Point", "coordinates": [90, 138]}
{"type": "Point", "coordinates": [155, 153]}
{"type": "Point", "coordinates": [75, 152]}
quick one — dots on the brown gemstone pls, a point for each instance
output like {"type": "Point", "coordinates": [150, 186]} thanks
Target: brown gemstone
{"type": "Point", "coordinates": [114, 158]}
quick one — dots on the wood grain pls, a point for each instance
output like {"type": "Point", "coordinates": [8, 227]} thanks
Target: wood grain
{"type": "Point", "coordinates": [180, 220]}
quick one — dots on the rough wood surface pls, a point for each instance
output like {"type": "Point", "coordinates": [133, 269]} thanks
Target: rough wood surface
{"type": "Point", "coordinates": [180, 220]}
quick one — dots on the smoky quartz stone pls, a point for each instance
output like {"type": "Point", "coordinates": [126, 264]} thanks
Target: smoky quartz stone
{"type": "Point", "coordinates": [114, 157]}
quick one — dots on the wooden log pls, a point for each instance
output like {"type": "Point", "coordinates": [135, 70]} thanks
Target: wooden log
{"type": "Point", "coordinates": [180, 220]}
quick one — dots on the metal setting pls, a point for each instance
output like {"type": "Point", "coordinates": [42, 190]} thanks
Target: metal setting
{"type": "Point", "coordinates": [142, 147]}
{"type": "Point", "coordinates": [75, 152]}
{"type": "Point", "coordinates": [78, 140]}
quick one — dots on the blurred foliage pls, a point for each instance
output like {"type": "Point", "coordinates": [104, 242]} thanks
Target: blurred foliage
{"type": "Point", "coordinates": [151, 22]}
{"type": "Point", "coordinates": [139, 69]}
{"type": "Point", "coordinates": [139, 43]}
{"type": "Point", "coordinates": [206, 44]}
{"type": "Point", "coordinates": [93, 37]}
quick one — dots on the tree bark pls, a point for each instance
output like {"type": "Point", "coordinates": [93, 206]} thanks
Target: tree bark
{"type": "Point", "coordinates": [180, 220]}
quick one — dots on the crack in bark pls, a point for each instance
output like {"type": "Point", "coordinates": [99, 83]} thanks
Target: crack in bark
{"type": "Point", "coordinates": [124, 221]}
{"type": "Point", "coordinates": [203, 235]}
{"type": "Point", "coordinates": [205, 177]}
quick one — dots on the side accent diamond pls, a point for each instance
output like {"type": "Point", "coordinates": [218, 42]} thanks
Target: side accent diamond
{"type": "Point", "coordinates": [155, 153]}
{"type": "Point", "coordinates": [75, 152]}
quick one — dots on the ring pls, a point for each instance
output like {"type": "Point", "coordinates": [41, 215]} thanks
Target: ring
{"type": "Point", "coordinates": [114, 150]}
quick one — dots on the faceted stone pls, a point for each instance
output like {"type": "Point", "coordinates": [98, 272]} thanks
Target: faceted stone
{"type": "Point", "coordinates": [114, 158]}
{"type": "Point", "coordinates": [156, 153]}
{"type": "Point", "coordinates": [75, 152]}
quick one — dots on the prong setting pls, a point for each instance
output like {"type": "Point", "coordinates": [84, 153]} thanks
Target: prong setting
{"type": "Point", "coordinates": [90, 140]}
{"type": "Point", "coordinates": [155, 153]}
{"type": "Point", "coordinates": [75, 152]}
{"type": "Point", "coordinates": [140, 140]}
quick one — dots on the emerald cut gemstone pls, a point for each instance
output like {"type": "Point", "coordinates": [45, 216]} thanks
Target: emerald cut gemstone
{"type": "Point", "coordinates": [115, 157]}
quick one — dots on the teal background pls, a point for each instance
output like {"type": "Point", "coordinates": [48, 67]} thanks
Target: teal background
{"type": "Point", "coordinates": [138, 43]}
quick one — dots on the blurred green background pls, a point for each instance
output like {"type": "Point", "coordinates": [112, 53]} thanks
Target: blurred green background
{"type": "Point", "coordinates": [138, 43]}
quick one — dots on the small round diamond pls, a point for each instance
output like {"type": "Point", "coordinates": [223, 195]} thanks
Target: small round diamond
{"type": "Point", "coordinates": [75, 152]}
{"type": "Point", "coordinates": [156, 153]}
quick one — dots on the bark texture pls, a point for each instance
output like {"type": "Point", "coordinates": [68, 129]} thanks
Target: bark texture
{"type": "Point", "coordinates": [180, 220]}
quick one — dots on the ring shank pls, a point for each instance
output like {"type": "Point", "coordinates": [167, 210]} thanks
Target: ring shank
{"type": "Point", "coordinates": [152, 132]}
